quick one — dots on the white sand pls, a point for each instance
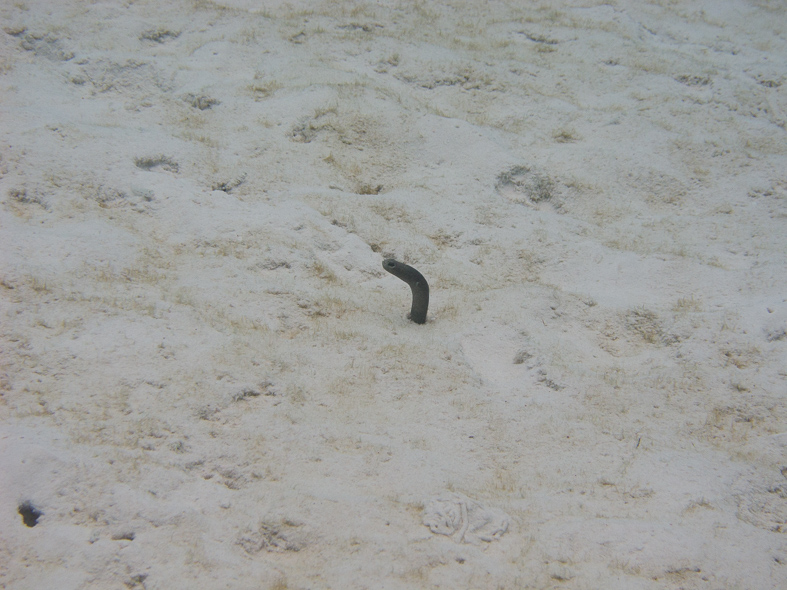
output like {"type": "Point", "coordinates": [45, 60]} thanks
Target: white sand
{"type": "Point", "coordinates": [220, 388]}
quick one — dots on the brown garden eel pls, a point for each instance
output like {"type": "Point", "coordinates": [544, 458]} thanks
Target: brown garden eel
{"type": "Point", "coordinates": [418, 285]}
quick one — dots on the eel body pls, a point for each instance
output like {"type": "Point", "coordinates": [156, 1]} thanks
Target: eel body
{"type": "Point", "coordinates": [418, 285]}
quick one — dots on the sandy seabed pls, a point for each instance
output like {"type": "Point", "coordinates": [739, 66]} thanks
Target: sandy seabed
{"type": "Point", "coordinates": [209, 381]}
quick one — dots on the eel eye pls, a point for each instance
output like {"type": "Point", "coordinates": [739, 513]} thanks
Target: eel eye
{"type": "Point", "coordinates": [391, 264]}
